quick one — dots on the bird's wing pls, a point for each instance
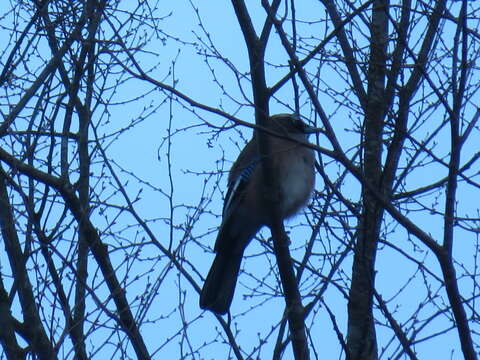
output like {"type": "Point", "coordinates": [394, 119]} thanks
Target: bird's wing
{"type": "Point", "coordinates": [237, 186]}
{"type": "Point", "coordinates": [233, 208]}
{"type": "Point", "coordinates": [241, 174]}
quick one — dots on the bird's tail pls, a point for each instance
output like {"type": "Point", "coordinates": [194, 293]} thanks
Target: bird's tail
{"type": "Point", "coordinates": [219, 286]}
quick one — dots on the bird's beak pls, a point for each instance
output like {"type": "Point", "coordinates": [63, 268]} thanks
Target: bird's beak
{"type": "Point", "coordinates": [311, 129]}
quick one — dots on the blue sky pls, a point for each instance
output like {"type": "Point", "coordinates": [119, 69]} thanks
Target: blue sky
{"type": "Point", "coordinates": [169, 192]}
{"type": "Point", "coordinates": [196, 149]}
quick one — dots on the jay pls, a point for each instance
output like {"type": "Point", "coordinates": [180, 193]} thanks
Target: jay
{"type": "Point", "coordinates": [244, 211]}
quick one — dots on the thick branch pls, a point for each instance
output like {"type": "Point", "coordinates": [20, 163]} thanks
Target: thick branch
{"type": "Point", "coordinates": [295, 311]}
{"type": "Point", "coordinates": [99, 250]}
{"type": "Point", "coordinates": [40, 343]}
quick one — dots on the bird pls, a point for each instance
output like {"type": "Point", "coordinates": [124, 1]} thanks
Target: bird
{"type": "Point", "coordinates": [244, 212]}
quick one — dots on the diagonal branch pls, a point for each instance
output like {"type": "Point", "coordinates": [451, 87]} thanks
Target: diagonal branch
{"type": "Point", "coordinates": [98, 248]}
{"type": "Point", "coordinates": [256, 51]}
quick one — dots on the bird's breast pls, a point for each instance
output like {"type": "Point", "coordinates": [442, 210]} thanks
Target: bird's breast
{"type": "Point", "coordinates": [296, 181]}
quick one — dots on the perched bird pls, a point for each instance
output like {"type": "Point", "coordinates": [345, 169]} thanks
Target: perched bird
{"type": "Point", "coordinates": [244, 212]}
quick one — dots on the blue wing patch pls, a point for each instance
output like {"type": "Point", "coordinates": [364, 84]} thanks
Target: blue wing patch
{"type": "Point", "coordinates": [236, 187]}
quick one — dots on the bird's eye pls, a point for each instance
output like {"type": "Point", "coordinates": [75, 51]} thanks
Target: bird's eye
{"type": "Point", "coordinates": [299, 124]}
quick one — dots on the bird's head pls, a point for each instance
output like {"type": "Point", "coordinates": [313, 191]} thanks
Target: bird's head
{"type": "Point", "coordinates": [290, 124]}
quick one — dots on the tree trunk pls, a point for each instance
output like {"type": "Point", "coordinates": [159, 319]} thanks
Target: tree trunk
{"type": "Point", "coordinates": [361, 338]}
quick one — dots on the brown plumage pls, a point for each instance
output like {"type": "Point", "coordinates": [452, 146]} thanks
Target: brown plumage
{"type": "Point", "coordinates": [244, 213]}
